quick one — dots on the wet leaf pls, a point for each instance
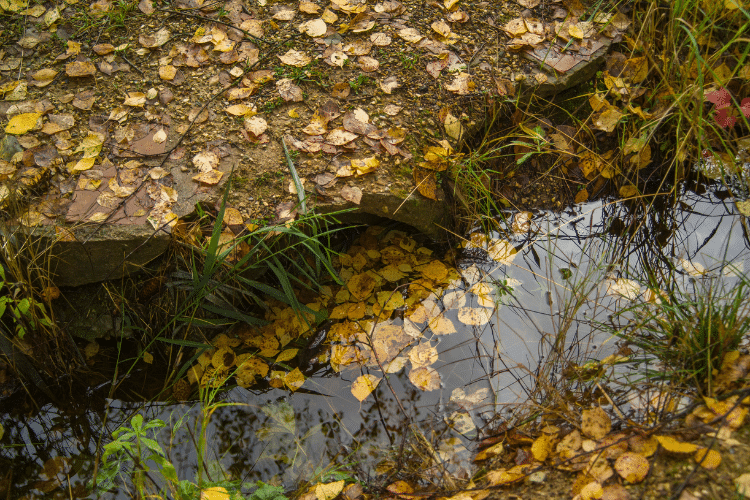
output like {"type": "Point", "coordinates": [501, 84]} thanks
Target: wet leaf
{"type": "Point", "coordinates": [364, 385]}
{"type": "Point", "coordinates": [708, 459]}
{"type": "Point", "coordinates": [294, 379]}
{"type": "Point", "coordinates": [474, 316]}
{"type": "Point", "coordinates": [425, 378]}
{"type": "Point", "coordinates": [426, 182]}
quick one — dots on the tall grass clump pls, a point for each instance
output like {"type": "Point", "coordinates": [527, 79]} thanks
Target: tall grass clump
{"type": "Point", "coordinates": [681, 336]}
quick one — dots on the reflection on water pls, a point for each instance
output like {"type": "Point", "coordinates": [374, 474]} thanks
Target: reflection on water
{"type": "Point", "coordinates": [565, 262]}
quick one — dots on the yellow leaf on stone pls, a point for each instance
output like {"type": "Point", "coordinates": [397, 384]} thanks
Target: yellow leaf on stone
{"type": "Point", "coordinates": [83, 164]}
{"type": "Point", "coordinates": [294, 379]}
{"type": "Point", "coordinates": [20, 124]}
{"type": "Point", "coordinates": [575, 31]}
{"type": "Point", "coordinates": [364, 385]}
{"type": "Point", "coordinates": [211, 178]}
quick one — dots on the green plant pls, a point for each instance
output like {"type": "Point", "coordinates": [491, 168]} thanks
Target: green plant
{"type": "Point", "coordinates": [361, 80]}
{"type": "Point", "coordinates": [408, 61]}
{"type": "Point", "coordinates": [25, 313]}
{"type": "Point", "coordinates": [688, 331]}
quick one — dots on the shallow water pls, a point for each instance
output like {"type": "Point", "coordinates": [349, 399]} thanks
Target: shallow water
{"type": "Point", "coordinates": [280, 437]}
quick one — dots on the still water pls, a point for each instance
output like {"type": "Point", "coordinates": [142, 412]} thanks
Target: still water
{"type": "Point", "coordinates": [547, 293]}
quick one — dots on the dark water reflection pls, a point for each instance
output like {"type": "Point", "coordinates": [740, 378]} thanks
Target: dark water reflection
{"type": "Point", "coordinates": [330, 427]}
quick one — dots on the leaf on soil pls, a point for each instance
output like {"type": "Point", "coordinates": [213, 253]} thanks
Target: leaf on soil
{"type": "Point", "coordinates": [206, 161]}
{"type": "Point", "coordinates": [308, 7]}
{"type": "Point", "coordinates": [167, 72]}
{"type": "Point", "coordinates": [135, 99]}
{"type": "Point", "coordinates": [295, 58]}
{"type": "Point", "coordinates": [241, 110]}
{"type": "Point", "coordinates": [389, 84]}
{"type": "Point", "coordinates": [255, 126]}
{"type": "Point", "coordinates": [595, 423]}
{"type": "Point", "coordinates": [288, 90]}
{"type": "Point", "coordinates": [541, 448]}
{"type": "Point", "coordinates": [462, 84]}
{"type": "Point", "coordinates": [632, 467]}
{"type": "Point", "coordinates": [411, 35]}
{"type": "Point", "coordinates": [490, 452]}
{"type": "Point", "coordinates": [380, 39]}
{"type": "Point", "coordinates": [156, 40]}
{"type": "Point", "coordinates": [314, 28]}
{"type": "Point", "coordinates": [708, 459]}
{"type": "Point", "coordinates": [80, 69]}
{"type": "Point", "coordinates": [674, 446]}
{"type": "Point", "coordinates": [502, 476]}
{"type": "Point", "coordinates": [22, 123]}
{"type": "Point", "coordinates": [340, 136]}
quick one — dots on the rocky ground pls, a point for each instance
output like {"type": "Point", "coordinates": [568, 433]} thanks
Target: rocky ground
{"type": "Point", "coordinates": [119, 117]}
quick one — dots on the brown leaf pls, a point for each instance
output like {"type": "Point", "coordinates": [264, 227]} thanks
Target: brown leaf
{"type": "Point", "coordinates": [352, 194]}
{"type": "Point", "coordinates": [426, 182]}
{"type": "Point", "coordinates": [80, 69]}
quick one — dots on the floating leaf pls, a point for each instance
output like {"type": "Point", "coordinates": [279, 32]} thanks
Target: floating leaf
{"type": "Point", "coordinates": [425, 377]}
{"type": "Point", "coordinates": [364, 385]}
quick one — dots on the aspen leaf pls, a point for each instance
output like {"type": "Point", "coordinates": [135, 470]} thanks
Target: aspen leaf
{"type": "Point", "coordinates": [425, 377]}
{"type": "Point", "coordinates": [294, 379]}
{"type": "Point", "coordinates": [708, 459]}
{"type": "Point", "coordinates": [329, 491]}
{"type": "Point", "coordinates": [20, 124]}
{"type": "Point", "coordinates": [632, 467]}
{"type": "Point", "coordinates": [674, 446]}
{"type": "Point", "coordinates": [286, 355]}
{"type": "Point", "coordinates": [215, 493]}
{"type": "Point", "coordinates": [541, 448]}
{"type": "Point", "coordinates": [364, 385]}
{"type": "Point", "coordinates": [595, 423]}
